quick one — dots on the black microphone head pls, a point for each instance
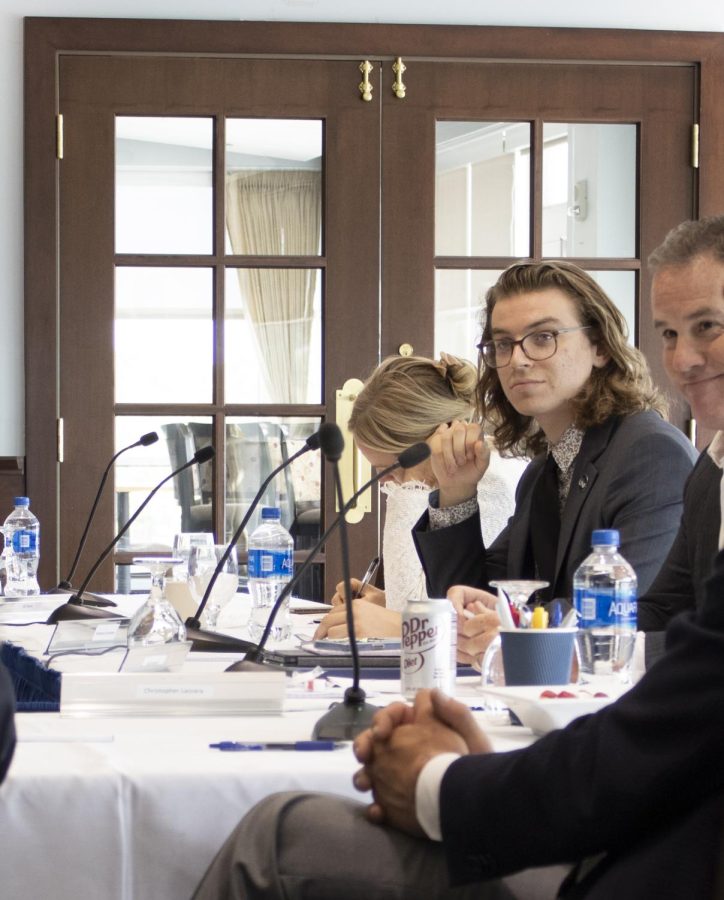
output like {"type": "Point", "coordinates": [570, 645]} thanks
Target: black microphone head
{"type": "Point", "coordinates": [147, 439]}
{"type": "Point", "coordinates": [204, 454]}
{"type": "Point", "coordinates": [331, 441]}
{"type": "Point", "coordinates": [313, 441]}
{"type": "Point", "coordinates": [414, 455]}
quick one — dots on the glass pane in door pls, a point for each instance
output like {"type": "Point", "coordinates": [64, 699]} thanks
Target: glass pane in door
{"type": "Point", "coordinates": [459, 302]}
{"type": "Point", "coordinates": [184, 502]}
{"type": "Point", "coordinates": [273, 335]}
{"type": "Point", "coordinates": [482, 189]}
{"type": "Point", "coordinates": [163, 335]}
{"type": "Point", "coordinates": [164, 194]}
{"type": "Point", "coordinates": [621, 288]}
{"type": "Point", "coordinates": [589, 190]}
{"type": "Point", "coordinates": [254, 447]}
{"type": "Point", "coordinates": [273, 187]}
{"type": "Point", "coordinates": [460, 299]}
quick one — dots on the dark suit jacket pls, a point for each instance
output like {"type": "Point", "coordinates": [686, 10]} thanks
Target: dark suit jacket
{"type": "Point", "coordinates": [679, 585]}
{"type": "Point", "coordinates": [7, 723]}
{"type": "Point", "coordinates": [619, 782]}
{"type": "Point", "coordinates": [629, 474]}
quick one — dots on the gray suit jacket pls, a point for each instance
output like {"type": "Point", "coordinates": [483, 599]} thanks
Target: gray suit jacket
{"type": "Point", "coordinates": [629, 475]}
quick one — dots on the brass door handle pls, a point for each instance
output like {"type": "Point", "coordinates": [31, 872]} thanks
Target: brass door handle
{"type": "Point", "coordinates": [365, 86]}
{"type": "Point", "coordinates": [354, 469]}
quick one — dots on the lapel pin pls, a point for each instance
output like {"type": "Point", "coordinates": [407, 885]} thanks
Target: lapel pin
{"type": "Point", "coordinates": [583, 482]}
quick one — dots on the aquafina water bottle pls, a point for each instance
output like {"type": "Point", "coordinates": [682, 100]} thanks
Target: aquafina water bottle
{"type": "Point", "coordinates": [271, 565]}
{"type": "Point", "coordinates": [21, 553]}
{"type": "Point", "coordinates": [604, 594]}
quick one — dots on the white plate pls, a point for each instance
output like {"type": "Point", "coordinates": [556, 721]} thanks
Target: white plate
{"type": "Point", "coordinates": [544, 714]}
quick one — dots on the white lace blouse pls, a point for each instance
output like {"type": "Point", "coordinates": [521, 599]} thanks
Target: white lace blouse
{"type": "Point", "coordinates": [406, 502]}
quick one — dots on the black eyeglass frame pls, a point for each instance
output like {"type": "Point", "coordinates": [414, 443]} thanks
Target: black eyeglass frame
{"type": "Point", "coordinates": [484, 345]}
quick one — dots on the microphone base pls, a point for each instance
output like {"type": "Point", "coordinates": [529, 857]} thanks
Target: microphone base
{"type": "Point", "coordinates": [213, 642]}
{"type": "Point", "coordinates": [247, 665]}
{"type": "Point", "coordinates": [70, 611]}
{"type": "Point", "coordinates": [92, 599]}
{"type": "Point", "coordinates": [344, 721]}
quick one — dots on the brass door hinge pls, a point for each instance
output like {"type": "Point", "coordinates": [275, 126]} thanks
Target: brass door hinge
{"type": "Point", "coordinates": [59, 439]}
{"type": "Point", "coordinates": [695, 145]}
{"type": "Point", "coordinates": [59, 136]}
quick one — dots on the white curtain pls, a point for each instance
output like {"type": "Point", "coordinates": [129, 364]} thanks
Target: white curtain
{"type": "Point", "coordinates": [274, 213]}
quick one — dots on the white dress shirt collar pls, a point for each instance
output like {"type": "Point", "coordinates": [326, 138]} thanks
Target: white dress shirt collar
{"type": "Point", "coordinates": [716, 452]}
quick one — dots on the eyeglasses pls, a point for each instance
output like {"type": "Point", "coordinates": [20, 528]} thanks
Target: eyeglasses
{"type": "Point", "coordinates": [536, 345]}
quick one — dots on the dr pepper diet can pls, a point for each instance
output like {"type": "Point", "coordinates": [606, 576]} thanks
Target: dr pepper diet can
{"type": "Point", "coordinates": [429, 646]}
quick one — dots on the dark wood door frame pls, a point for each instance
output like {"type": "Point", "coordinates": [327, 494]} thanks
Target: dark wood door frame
{"type": "Point", "coordinates": [47, 38]}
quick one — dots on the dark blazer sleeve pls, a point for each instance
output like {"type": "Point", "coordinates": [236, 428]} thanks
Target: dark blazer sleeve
{"type": "Point", "coordinates": [7, 721]}
{"type": "Point", "coordinates": [679, 585]}
{"type": "Point", "coordinates": [606, 780]}
{"type": "Point", "coordinates": [457, 554]}
{"type": "Point", "coordinates": [645, 476]}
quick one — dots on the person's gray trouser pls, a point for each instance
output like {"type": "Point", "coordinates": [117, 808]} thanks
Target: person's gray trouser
{"type": "Point", "coordinates": [302, 846]}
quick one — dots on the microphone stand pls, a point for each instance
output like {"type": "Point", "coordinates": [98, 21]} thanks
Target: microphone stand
{"type": "Point", "coordinates": [346, 719]}
{"type": "Point", "coordinates": [76, 607]}
{"type": "Point", "coordinates": [256, 654]}
{"type": "Point", "coordinates": [409, 458]}
{"type": "Point", "coordinates": [65, 585]}
{"type": "Point", "coordinates": [212, 641]}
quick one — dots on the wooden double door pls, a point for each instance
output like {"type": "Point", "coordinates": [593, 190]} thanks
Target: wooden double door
{"type": "Point", "coordinates": [384, 253]}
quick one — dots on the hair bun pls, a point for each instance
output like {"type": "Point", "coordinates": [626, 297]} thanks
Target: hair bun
{"type": "Point", "coordinates": [460, 374]}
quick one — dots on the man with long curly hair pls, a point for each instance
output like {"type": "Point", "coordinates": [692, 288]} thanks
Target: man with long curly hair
{"type": "Point", "coordinates": [560, 382]}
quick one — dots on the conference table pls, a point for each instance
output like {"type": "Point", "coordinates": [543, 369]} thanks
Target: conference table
{"type": "Point", "coordinates": [135, 808]}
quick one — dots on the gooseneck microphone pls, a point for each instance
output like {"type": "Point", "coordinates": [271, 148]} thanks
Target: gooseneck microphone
{"type": "Point", "coordinates": [77, 607]}
{"type": "Point", "coordinates": [212, 640]}
{"type": "Point", "coordinates": [144, 441]}
{"type": "Point", "coordinates": [409, 458]}
{"type": "Point", "coordinates": [344, 720]}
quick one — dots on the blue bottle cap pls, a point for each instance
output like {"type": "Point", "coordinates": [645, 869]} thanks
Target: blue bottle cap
{"type": "Point", "coordinates": [271, 512]}
{"type": "Point", "coordinates": [606, 536]}
{"type": "Point", "coordinates": [21, 501]}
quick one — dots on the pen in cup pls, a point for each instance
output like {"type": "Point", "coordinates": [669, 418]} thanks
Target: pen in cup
{"type": "Point", "coordinates": [368, 576]}
{"type": "Point", "coordinates": [503, 610]}
{"type": "Point", "coordinates": [556, 614]}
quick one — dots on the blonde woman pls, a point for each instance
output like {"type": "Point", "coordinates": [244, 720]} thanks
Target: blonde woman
{"type": "Point", "coordinates": [404, 401]}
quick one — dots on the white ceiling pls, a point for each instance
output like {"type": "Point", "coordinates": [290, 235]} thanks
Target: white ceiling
{"type": "Point", "coordinates": [694, 15]}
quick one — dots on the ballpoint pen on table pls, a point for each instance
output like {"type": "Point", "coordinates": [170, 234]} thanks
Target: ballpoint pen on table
{"type": "Point", "coordinates": [277, 745]}
{"type": "Point", "coordinates": [368, 576]}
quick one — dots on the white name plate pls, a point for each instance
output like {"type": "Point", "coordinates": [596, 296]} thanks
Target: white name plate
{"type": "Point", "coordinates": [78, 635]}
{"type": "Point", "coordinates": [172, 693]}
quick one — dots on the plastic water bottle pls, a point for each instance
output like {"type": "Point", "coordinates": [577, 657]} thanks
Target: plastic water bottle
{"type": "Point", "coordinates": [604, 594]}
{"type": "Point", "coordinates": [271, 565]}
{"type": "Point", "coordinates": [22, 550]}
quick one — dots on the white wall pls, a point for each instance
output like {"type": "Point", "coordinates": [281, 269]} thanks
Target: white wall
{"type": "Point", "coordinates": [696, 15]}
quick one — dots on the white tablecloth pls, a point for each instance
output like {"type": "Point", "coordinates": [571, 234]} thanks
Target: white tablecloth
{"type": "Point", "coordinates": [136, 808]}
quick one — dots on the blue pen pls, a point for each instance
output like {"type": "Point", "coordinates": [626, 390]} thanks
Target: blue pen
{"type": "Point", "coordinates": [277, 745]}
{"type": "Point", "coordinates": [556, 614]}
